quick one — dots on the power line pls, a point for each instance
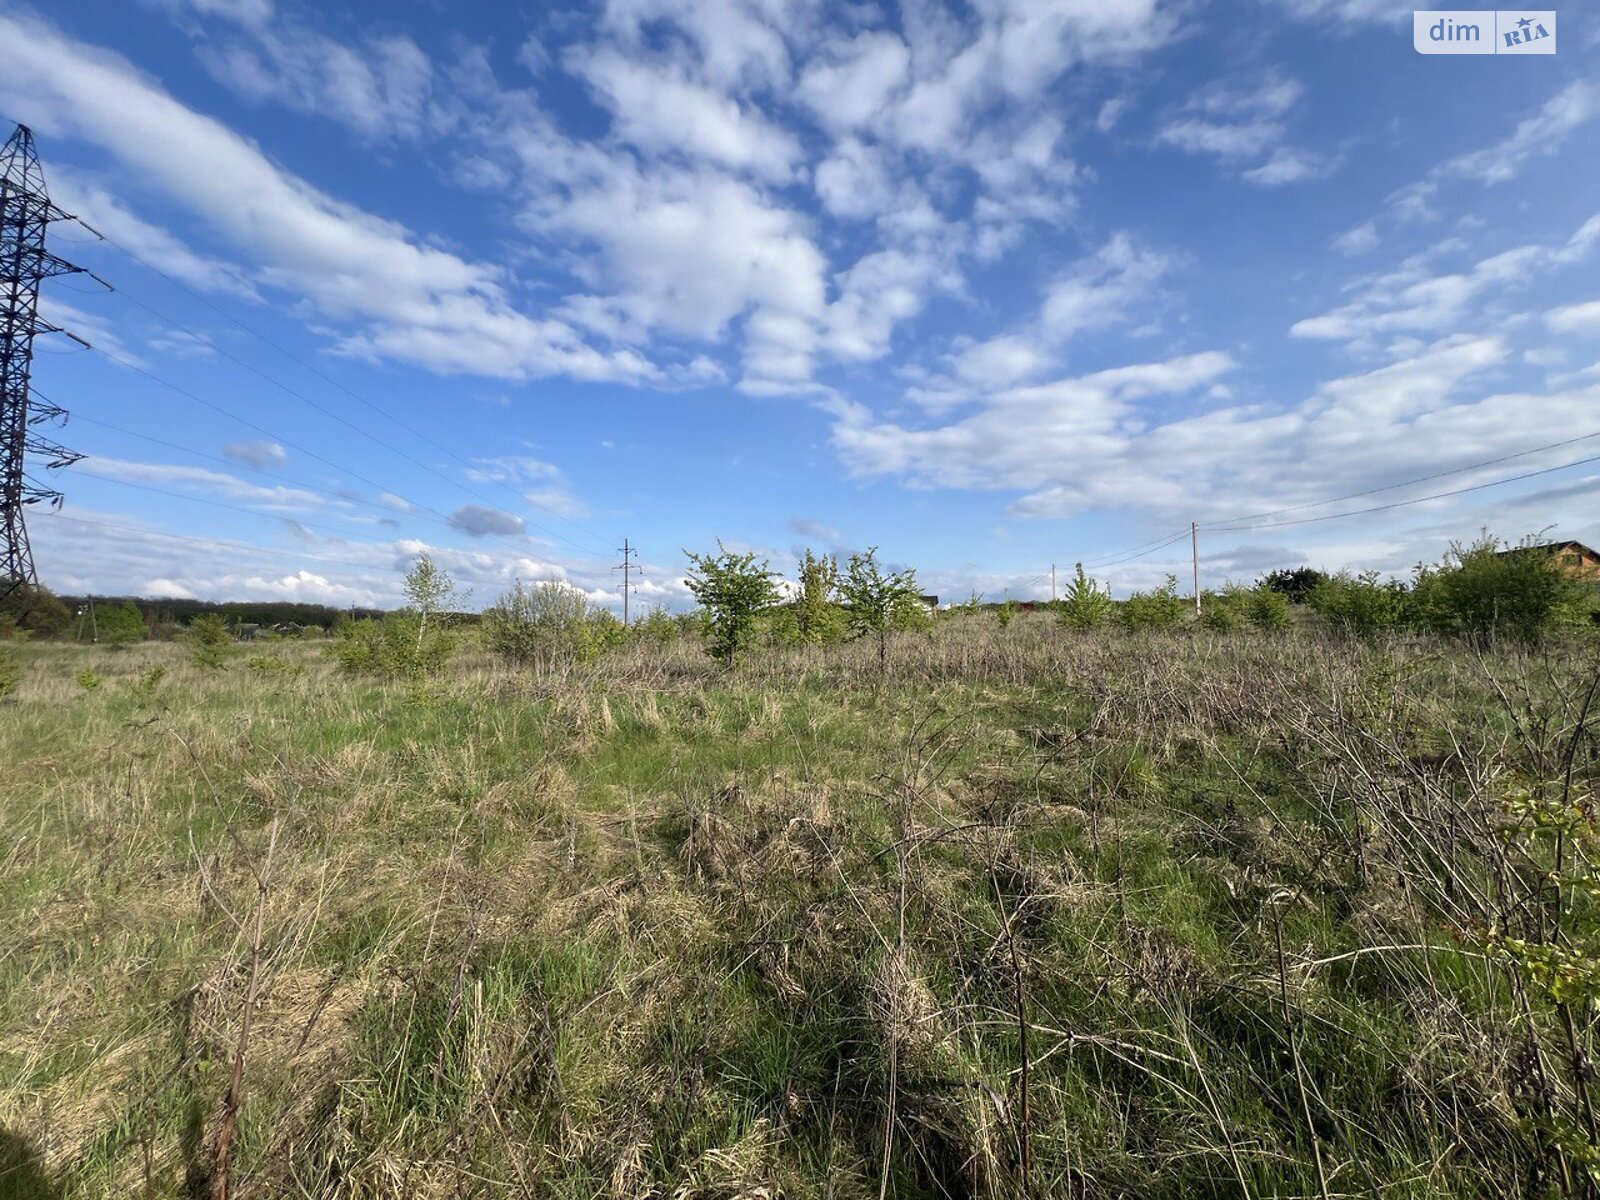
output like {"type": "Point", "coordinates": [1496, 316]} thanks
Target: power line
{"type": "Point", "coordinates": [245, 421]}
{"type": "Point", "coordinates": [1139, 552]}
{"type": "Point", "coordinates": [414, 432]}
{"type": "Point", "coordinates": [1477, 487]}
{"type": "Point", "coordinates": [1582, 437]}
{"type": "Point", "coordinates": [211, 543]}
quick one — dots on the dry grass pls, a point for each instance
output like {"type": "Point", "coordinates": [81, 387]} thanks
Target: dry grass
{"type": "Point", "coordinates": [648, 929]}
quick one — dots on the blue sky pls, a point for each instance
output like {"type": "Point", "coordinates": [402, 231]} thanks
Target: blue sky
{"type": "Point", "coordinates": [987, 286]}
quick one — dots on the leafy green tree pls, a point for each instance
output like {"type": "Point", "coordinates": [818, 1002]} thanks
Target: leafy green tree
{"type": "Point", "coordinates": [1085, 606]}
{"type": "Point", "coordinates": [1359, 605]}
{"type": "Point", "coordinates": [658, 626]}
{"type": "Point", "coordinates": [1296, 584]}
{"type": "Point", "coordinates": [540, 625]}
{"type": "Point", "coordinates": [1484, 590]}
{"type": "Point", "coordinates": [1268, 608]}
{"type": "Point", "coordinates": [208, 640]}
{"type": "Point", "coordinates": [430, 593]}
{"type": "Point", "coordinates": [35, 610]}
{"type": "Point", "coordinates": [1159, 608]}
{"type": "Point", "coordinates": [733, 589]}
{"type": "Point", "coordinates": [873, 599]}
{"type": "Point", "coordinates": [1223, 611]}
{"type": "Point", "coordinates": [817, 612]}
{"type": "Point", "coordinates": [120, 624]}
{"type": "Point", "coordinates": [1006, 613]}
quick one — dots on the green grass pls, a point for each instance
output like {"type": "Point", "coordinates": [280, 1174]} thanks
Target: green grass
{"type": "Point", "coordinates": [653, 929]}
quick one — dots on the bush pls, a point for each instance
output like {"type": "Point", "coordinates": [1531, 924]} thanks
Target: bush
{"type": "Point", "coordinates": [1223, 611]}
{"type": "Point", "coordinates": [208, 640]}
{"type": "Point", "coordinates": [1085, 606]}
{"type": "Point", "coordinates": [1268, 608]}
{"type": "Point", "coordinates": [818, 615]}
{"type": "Point", "coordinates": [733, 590]}
{"type": "Point", "coordinates": [543, 625]}
{"type": "Point", "coordinates": [875, 603]}
{"type": "Point", "coordinates": [120, 624]}
{"type": "Point", "coordinates": [88, 680]}
{"type": "Point", "coordinates": [35, 610]}
{"type": "Point", "coordinates": [1161, 608]}
{"type": "Point", "coordinates": [658, 626]}
{"type": "Point", "coordinates": [400, 644]}
{"type": "Point", "coordinates": [1006, 613]}
{"type": "Point", "coordinates": [1483, 591]}
{"type": "Point", "coordinates": [603, 631]}
{"type": "Point", "coordinates": [1295, 585]}
{"type": "Point", "coordinates": [1358, 605]}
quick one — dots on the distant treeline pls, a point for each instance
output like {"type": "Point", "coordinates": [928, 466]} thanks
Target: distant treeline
{"type": "Point", "coordinates": [266, 613]}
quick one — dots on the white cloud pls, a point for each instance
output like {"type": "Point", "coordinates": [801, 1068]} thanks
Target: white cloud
{"type": "Point", "coordinates": [1576, 318]}
{"type": "Point", "coordinates": [270, 498]}
{"type": "Point", "coordinates": [1414, 298]}
{"type": "Point", "coordinates": [88, 199]}
{"type": "Point", "coordinates": [413, 302]}
{"type": "Point", "coordinates": [852, 80]}
{"type": "Point", "coordinates": [1542, 134]}
{"type": "Point", "coordinates": [1361, 239]}
{"type": "Point", "coordinates": [1241, 125]}
{"type": "Point", "coordinates": [659, 108]}
{"type": "Point", "coordinates": [259, 453]}
{"type": "Point", "coordinates": [479, 521]}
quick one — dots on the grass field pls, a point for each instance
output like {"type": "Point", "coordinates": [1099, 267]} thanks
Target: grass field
{"type": "Point", "coordinates": [1036, 915]}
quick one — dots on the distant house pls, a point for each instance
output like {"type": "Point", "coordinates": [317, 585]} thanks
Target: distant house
{"type": "Point", "coordinates": [931, 602]}
{"type": "Point", "coordinates": [1575, 559]}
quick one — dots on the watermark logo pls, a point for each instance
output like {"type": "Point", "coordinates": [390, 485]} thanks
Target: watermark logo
{"type": "Point", "coordinates": [1484, 31]}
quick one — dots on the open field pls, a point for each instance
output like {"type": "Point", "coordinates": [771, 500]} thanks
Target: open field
{"type": "Point", "coordinates": [1039, 914]}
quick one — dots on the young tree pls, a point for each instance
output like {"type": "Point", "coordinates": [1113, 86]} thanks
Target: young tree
{"type": "Point", "coordinates": [1086, 606]}
{"type": "Point", "coordinates": [872, 599]}
{"type": "Point", "coordinates": [429, 592]}
{"type": "Point", "coordinates": [733, 589]}
{"type": "Point", "coordinates": [121, 624]}
{"type": "Point", "coordinates": [542, 625]}
{"type": "Point", "coordinates": [816, 611]}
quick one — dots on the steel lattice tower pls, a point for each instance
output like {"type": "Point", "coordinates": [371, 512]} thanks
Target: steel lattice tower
{"type": "Point", "coordinates": [25, 210]}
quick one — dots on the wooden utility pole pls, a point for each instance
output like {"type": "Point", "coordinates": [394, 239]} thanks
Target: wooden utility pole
{"type": "Point", "coordinates": [1194, 546]}
{"type": "Point", "coordinates": [626, 567]}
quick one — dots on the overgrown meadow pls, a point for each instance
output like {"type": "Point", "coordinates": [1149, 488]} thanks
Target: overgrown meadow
{"type": "Point", "coordinates": [995, 908]}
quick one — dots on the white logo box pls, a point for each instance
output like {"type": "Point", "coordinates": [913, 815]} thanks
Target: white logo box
{"type": "Point", "coordinates": [1484, 31]}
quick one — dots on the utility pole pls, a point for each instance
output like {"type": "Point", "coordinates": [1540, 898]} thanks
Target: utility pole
{"type": "Point", "coordinates": [25, 210]}
{"type": "Point", "coordinates": [1052, 583]}
{"type": "Point", "coordinates": [1194, 546]}
{"type": "Point", "coordinates": [627, 568]}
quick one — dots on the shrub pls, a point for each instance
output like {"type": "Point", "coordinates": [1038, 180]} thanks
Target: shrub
{"type": "Point", "coordinates": [35, 610]}
{"type": "Point", "coordinates": [1358, 605]}
{"type": "Point", "coordinates": [1483, 591]}
{"type": "Point", "coordinates": [1223, 611]}
{"type": "Point", "coordinates": [1294, 584]}
{"type": "Point", "coordinates": [1161, 608]}
{"type": "Point", "coordinates": [120, 624]}
{"type": "Point", "coordinates": [1085, 606]}
{"type": "Point", "coordinates": [603, 631]}
{"type": "Point", "coordinates": [208, 640]}
{"type": "Point", "coordinates": [87, 679]}
{"type": "Point", "coordinates": [1267, 608]}
{"type": "Point", "coordinates": [658, 626]}
{"type": "Point", "coordinates": [543, 625]}
{"type": "Point", "coordinates": [874, 602]}
{"type": "Point", "coordinates": [274, 664]}
{"type": "Point", "coordinates": [733, 590]}
{"type": "Point", "coordinates": [818, 616]}
{"type": "Point", "coordinates": [1006, 613]}
{"type": "Point", "coordinates": [399, 644]}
